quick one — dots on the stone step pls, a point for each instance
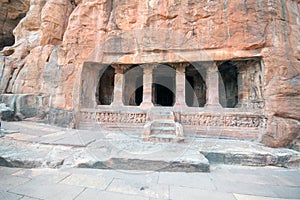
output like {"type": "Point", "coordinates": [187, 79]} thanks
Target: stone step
{"type": "Point", "coordinates": [161, 161]}
{"type": "Point", "coordinates": [163, 123]}
{"type": "Point", "coordinates": [147, 157]}
{"type": "Point", "coordinates": [164, 138]}
{"type": "Point", "coordinates": [163, 130]}
{"type": "Point", "coordinates": [162, 116]}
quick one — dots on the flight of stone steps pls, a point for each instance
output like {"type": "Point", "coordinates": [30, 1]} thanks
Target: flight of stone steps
{"type": "Point", "coordinates": [161, 127]}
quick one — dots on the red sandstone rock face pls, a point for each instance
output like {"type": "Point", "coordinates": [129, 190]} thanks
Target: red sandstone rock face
{"type": "Point", "coordinates": [57, 36]}
{"type": "Point", "coordinates": [11, 12]}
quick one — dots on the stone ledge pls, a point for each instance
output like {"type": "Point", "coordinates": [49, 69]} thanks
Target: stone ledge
{"type": "Point", "coordinates": [235, 152]}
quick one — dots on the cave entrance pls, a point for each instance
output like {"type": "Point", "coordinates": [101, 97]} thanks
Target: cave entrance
{"type": "Point", "coordinates": [195, 87]}
{"type": "Point", "coordinates": [228, 85]}
{"type": "Point", "coordinates": [133, 87]}
{"type": "Point", "coordinates": [163, 91]}
{"type": "Point", "coordinates": [104, 94]}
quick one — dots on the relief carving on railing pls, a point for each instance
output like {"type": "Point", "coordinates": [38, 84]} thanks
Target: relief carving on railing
{"type": "Point", "coordinates": [204, 120]}
{"type": "Point", "coordinates": [113, 117]}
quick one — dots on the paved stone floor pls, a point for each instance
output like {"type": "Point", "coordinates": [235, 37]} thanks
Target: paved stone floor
{"type": "Point", "coordinates": [51, 161]}
{"type": "Point", "coordinates": [224, 182]}
{"type": "Point", "coordinates": [31, 145]}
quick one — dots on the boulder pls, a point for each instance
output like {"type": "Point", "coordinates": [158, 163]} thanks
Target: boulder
{"type": "Point", "coordinates": [6, 113]}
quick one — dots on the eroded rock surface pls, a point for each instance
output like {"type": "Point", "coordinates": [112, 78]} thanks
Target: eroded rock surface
{"type": "Point", "coordinates": [11, 12]}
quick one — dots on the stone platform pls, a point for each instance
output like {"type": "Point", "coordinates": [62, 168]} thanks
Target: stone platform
{"type": "Point", "coordinates": [31, 145]}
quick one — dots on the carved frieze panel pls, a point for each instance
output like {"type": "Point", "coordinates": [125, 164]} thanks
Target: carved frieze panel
{"type": "Point", "coordinates": [113, 117]}
{"type": "Point", "coordinates": [205, 120]}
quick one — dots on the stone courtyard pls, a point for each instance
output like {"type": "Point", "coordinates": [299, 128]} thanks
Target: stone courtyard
{"type": "Point", "coordinates": [48, 162]}
{"type": "Point", "coordinates": [223, 183]}
{"type": "Point", "coordinates": [28, 144]}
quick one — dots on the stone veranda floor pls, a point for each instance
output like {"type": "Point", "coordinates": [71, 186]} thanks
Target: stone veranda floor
{"type": "Point", "coordinates": [224, 182]}
{"type": "Point", "coordinates": [47, 162]}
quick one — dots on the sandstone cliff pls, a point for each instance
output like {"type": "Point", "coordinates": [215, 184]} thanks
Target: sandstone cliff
{"type": "Point", "coordinates": [56, 37]}
{"type": "Point", "coordinates": [11, 12]}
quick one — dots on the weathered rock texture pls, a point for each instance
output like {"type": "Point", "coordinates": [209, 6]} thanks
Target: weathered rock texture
{"type": "Point", "coordinates": [11, 12]}
{"type": "Point", "coordinates": [57, 36]}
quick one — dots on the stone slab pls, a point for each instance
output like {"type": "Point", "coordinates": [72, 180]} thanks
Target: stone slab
{"type": "Point", "coordinates": [9, 171]}
{"type": "Point", "coordinates": [228, 186]}
{"type": "Point", "coordinates": [265, 179]}
{"type": "Point", "coordinates": [29, 198]}
{"type": "Point", "coordinates": [7, 182]}
{"type": "Point", "coordinates": [73, 140]}
{"type": "Point", "coordinates": [30, 128]}
{"type": "Point", "coordinates": [20, 136]}
{"type": "Point", "coordinates": [50, 138]}
{"type": "Point", "coordinates": [132, 175]}
{"type": "Point", "coordinates": [43, 174]}
{"type": "Point", "coordinates": [287, 192]}
{"type": "Point", "coordinates": [169, 158]}
{"type": "Point", "coordinates": [225, 151]}
{"type": "Point", "coordinates": [9, 196]}
{"type": "Point", "coordinates": [24, 155]}
{"type": "Point", "coordinates": [47, 190]}
{"type": "Point", "coordinates": [76, 138]}
{"type": "Point", "coordinates": [89, 181]}
{"type": "Point", "coordinates": [139, 188]}
{"type": "Point", "coordinates": [192, 180]}
{"type": "Point", "coordinates": [100, 195]}
{"type": "Point", "coordinates": [183, 193]}
{"type": "Point", "coordinates": [251, 197]}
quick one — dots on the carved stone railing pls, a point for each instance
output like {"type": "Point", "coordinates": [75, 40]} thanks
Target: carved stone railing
{"type": "Point", "coordinates": [222, 120]}
{"type": "Point", "coordinates": [232, 125]}
{"type": "Point", "coordinates": [112, 117]}
{"type": "Point", "coordinates": [190, 119]}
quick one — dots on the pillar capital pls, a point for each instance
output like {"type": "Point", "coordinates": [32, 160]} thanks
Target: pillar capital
{"type": "Point", "coordinates": [120, 68]}
{"type": "Point", "coordinates": [212, 68]}
{"type": "Point", "coordinates": [180, 67]}
{"type": "Point", "coordinates": [147, 68]}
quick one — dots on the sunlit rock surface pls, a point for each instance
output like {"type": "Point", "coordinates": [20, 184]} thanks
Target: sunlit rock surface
{"type": "Point", "coordinates": [56, 37]}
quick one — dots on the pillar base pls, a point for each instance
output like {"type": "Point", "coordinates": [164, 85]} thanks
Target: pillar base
{"type": "Point", "coordinates": [180, 106]}
{"type": "Point", "coordinates": [146, 105]}
{"type": "Point", "coordinates": [117, 104]}
{"type": "Point", "coordinates": [213, 106]}
{"type": "Point", "coordinates": [242, 105]}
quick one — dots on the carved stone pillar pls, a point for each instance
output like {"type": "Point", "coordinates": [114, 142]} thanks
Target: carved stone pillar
{"type": "Point", "coordinates": [147, 86]}
{"type": "Point", "coordinates": [242, 86]}
{"type": "Point", "coordinates": [212, 92]}
{"type": "Point", "coordinates": [180, 85]}
{"type": "Point", "coordinates": [196, 91]}
{"type": "Point", "coordinates": [118, 85]}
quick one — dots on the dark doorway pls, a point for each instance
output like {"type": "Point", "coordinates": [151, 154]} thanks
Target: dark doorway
{"type": "Point", "coordinates": [189, 90]}
{"type": "Point", "coordinates": [163, 85]}
{"type": "Point", "coordinates": [228, 86]}
{"type": "Point", "coordinates": [133, 86]}
{"type": "Point", "coordinates": [139, 95]}
{"type": "Point", "coordinates": [105, 92]}
{"type": "Point", "coordinates": [195, 87]}
{"type": "Point", "coordinates": [164, 96]}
